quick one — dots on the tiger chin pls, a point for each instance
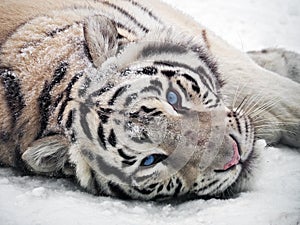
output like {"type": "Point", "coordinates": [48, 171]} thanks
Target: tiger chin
{"type": "Point", "coordinates": [131, 117]}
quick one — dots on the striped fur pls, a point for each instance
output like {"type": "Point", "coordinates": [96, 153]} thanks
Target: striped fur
{"type": "Point", "coordinates": [87, 90]}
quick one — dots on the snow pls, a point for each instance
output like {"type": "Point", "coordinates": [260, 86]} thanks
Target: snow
{"type": "Point", "coordinates": [275, 198]}
{"type": "Point", "coordinates": [249, 24]}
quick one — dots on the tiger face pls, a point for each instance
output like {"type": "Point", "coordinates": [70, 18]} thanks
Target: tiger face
{"type": "Point", "coordinates": [153, 126]}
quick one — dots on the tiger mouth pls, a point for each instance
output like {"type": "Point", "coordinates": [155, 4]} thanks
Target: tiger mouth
{"type": "Point", "coordinates": [236, 158]}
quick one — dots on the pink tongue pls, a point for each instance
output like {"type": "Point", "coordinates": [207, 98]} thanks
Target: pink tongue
{"type": "Point", "coordinates": [236, 157]}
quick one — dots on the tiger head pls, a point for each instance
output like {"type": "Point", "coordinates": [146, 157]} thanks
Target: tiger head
{"type": "Point", "coordinates": [153, 125]}
{"type": "Point", "coordinates": [150, 123]}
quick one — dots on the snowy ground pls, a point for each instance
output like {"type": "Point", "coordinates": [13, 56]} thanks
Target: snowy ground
{"type": "Point", "coordinates": [275, 199]}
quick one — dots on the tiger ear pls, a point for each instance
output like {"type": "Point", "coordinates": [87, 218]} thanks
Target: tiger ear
{"type": "Point", "coordinates": [47, 155]}
{"type": "Point", "coordinates": [101, 37]}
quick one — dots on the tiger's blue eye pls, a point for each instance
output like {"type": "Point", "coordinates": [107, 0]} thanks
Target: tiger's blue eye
{"type": "Point", "coordinates": [148, 161]}
{"type": "Point", "coordinates": [153, 159]}
{"type": "Point", "coordinates": [172, 97]}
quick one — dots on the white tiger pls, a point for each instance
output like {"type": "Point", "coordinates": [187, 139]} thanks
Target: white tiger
{"type": "Point", "coordinates": [136, 100]}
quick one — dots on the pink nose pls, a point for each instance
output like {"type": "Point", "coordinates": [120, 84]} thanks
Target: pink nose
{"type": "Point", "coordinates": [235, 158]}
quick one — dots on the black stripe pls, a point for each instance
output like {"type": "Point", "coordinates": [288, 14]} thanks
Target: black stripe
{"type": "Point", "coordinates": [73, 136]}
{"type": "Point", "coordinates": [162, 63]}
{"type": "Point", "coordinates": [213, 106]}
{"type": "Point", "coordinates": [101, 136]}
{"type": "Point", "coordinates": [126, 14]}
{"type": "Point", "coordinates": [129, 163]}
{"type": "Point", "coordinates": [130, 98]}
{"type": "Point", "coordinates": [247, 128]}
{"type": "Point", "coordinates": [117, 94]}
{"type": "Point", "coordinates": [189, 78]}
{"type": "Point", "coordinates": [238, 124]}
{"type": "Point", "coordinates": [153, 185]}
{"type": "Point", "coordinates": [13, 94]}
{"type": "Point", "coordinates": [106, 169]}
{"type": "Point", "coordinates": [168, 73]}
{"type": "Point", "coordinates": [84, 110]}
{"type": "Point", "coordinates": [103, 117]}
{"type": "Point", "coordinates": [106, 110]}
{"type": "Point", "coordinates": [157, 83]}
{"type": "Point", "coordinates": [125, 156]}
{"type": "Point", "coordinates": [126, 72]}
{"type": "Point", "coordinates": [196, 88]}
{"type": "Point", "coordinates": [112, 139]}
{"type": "Point", "coordinates": [57, 30]}
{"type": "Point", "coordinates": [160, 188]}
{"type": "Point", "coordinates": [141, 140]}
{"type": "Point", "coordinates": [170, 185]}
{"type": "Point", "coordinates": [84, 87]}
{"type": "Point", "coordinates": [151, 89]}
{"type": "Point", "coordinates": [89, 154]}
{"type": "Point", "coordinates": [200, 70]}
{"type": "Point", "coordinates": [178, 188]}
{"type": "Point", "coordinates": [59, 73]}
{"type": "Point", "coordinates": [67, 92]}
{"type": "Point", "coordinates": [122, 26]}
{"type": "Point", "coordinates": [144, 191]}
{"type": "Point", "coordinates": [102, 90]}
{"type": "Point", "coordinates": [18, 163]}
{"type": "Point", "coordinates": [87, 52]}
{"type": "Point", "coordinates": [62, 109]}
{"type": "Point", "coordinates": [72, 82]}
{"type": "Point", "coordinates": [145, 10]}
{"type": "Point", "coordinates": [208, 60]}
{"type": "Point", "coordinates": [184, 91]}
{"type": "Point", "coordinates": [207, 186]}
{"type": "Point", "coordinates": [156, 113]}
{"type": "Point", "coordinates": [208, 101]}
{"type": "Point", "coordinates": [149, 70]}
{"type": "Point", "coordinates": [94, 185]}
{"type": "Point", "coordinates": [220, 185]}
{"type": "Point", "coordinates": [118, 191]}
{"type": "Point", "coordinates": [147, 110]}
{"type": "Point", "coordinates": [45, 99]}
{"type": "Point", "coordinates": [154, 49]}
{"type": "Point", "coordinates": [70, 119]}
{"type": "Point", "coordinates": [216, 103]}
{"type": "Point", "coordinates": [134, 114]}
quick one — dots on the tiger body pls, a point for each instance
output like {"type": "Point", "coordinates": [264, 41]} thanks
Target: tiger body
{"type": "Point", "coordinates": [86, 91]}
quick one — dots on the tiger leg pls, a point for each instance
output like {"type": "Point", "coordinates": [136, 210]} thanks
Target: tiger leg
{"type": "Point", "coordinates": [280, 61]}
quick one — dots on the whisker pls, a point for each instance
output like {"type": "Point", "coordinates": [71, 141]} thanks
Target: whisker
{"type": "Point", "coordinates": [270, 130]}
{"type": "Point", "coordinates": [268, 105]}
{"type": "Point", "coordinates": [257, 98]}
{"type": "Point", "coordinates": [268, 121]}
{"type": "Point", "coordinates": [242, 103]}
{"type": "Point", "coordinates": [237, 93]}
